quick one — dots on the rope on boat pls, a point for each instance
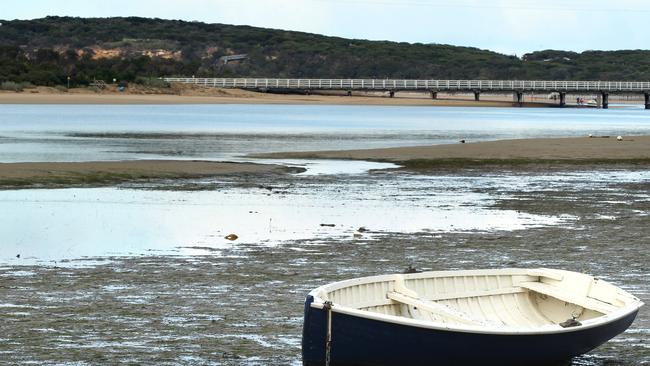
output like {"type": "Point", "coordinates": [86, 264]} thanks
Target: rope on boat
{"type": "Point", "coordinates": [328, 338]}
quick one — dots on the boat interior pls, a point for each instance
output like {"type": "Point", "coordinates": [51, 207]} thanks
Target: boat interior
{"type": "Point", "coordinates": [505, 298]}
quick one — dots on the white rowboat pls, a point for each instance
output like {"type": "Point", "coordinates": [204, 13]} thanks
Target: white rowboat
{"type": "Point", "coordinates": [487, 317]}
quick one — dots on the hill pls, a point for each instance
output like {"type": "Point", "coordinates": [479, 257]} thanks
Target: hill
{"type": "Point", "coordinates": [46, 51]}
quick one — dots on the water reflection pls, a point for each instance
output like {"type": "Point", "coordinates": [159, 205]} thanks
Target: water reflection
{"type": "Point", "coordinates": [46, 225]}
{"type": "Point", "coordinates": [50, 225]}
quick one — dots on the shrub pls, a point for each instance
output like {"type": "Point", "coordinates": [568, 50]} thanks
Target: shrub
{"type": "Point", "coordinates": [61, 88]}
{"type": "Point", "coordinates": [10, 85]}
{"type": "Point", "coordinates": [27, 85]}
{"type": "Point", "coordinates": [152, 82]}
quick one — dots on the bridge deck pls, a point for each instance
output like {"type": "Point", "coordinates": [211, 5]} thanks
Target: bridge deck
{"type": "Point", "coordinates": [422, 85]}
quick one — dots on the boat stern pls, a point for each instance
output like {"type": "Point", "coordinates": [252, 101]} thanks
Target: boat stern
{"type": "Point", "coordinates": [314, 332]}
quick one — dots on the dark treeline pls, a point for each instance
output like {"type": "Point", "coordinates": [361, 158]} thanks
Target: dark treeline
{"type": "Point", "coordinates": [46, 51]}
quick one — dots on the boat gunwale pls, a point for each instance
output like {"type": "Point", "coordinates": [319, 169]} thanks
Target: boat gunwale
{"type": "Point", "coordinates": [634, 305]}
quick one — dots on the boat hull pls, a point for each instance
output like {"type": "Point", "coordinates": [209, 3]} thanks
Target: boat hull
{"type": "Point", "coordinates": [363, 342]}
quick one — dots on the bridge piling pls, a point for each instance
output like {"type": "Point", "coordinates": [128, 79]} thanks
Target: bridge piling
{"type": "Point", "coordinates": [605, 97]}
{"type": "Point", "coordinates": [647, 100]}
{"type": "Point", "coordinates": [562, 99]}
{"type": "Point", "coordinates": [434, 94]}
{"type": "Point", "coordinates": [391, 94]}
{"type": "Point", "coordinates": [519, 98]}
{"type": "Point", "coordinates": [477, 96]}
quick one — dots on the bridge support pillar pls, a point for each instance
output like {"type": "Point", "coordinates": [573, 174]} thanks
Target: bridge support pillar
{"type": "Point", "coordinates": [605, 98]}
{"type": "Point", "coordinates": [477, 96]}
{"type": "Point", "coordinates": [391, 93]}
{"type": "Point", "coordinates": [434, 94]}
{"type": "Point", "coordinates": [349, 93]}
{"type": "Point", "coordinates": [647, 100]}
{"type": "Point", "coordinates": [562, 99]}
{"type": "Point", "coordinates": [519, 98]}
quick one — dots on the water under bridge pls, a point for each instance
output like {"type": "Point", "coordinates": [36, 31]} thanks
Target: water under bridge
{"type": "Point", "coordinates": [517, 87]}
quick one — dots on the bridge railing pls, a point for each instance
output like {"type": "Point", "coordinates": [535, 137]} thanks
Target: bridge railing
{"type": "Point", "coordinates": [412, 84]}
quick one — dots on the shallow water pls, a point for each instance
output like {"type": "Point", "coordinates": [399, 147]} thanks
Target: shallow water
{"type": "Point", "coordinates": [43, 226]}
{"type": "Point", "coordinates": [87, 133]}
{"type": "Point", "coordinates": [142, 273]}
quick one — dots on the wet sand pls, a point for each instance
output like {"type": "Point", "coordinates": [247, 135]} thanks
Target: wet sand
{"type": "Point", "coordinates": [24, 175]}
{"type": "Point", "coordinates": [582, 150]}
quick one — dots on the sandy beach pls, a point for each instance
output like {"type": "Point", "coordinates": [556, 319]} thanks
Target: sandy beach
{"type": "Point", "coordinates": [576, 150]}
{"type": "Point", "coordinates": [189, 94]}
{"type": "Point", "coordinates": [25, 175]}
{"type": "Point", "coordinates": [231, 97]}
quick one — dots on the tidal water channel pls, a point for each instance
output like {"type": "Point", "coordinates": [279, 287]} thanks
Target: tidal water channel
{"type": "Point", "coordinates": [142, 273]}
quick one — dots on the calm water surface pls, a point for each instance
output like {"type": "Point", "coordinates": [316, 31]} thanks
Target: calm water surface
{"type": "Point", "coordinates": [145, 270]}
{"type": "Point", "coordinates": [43, 133]}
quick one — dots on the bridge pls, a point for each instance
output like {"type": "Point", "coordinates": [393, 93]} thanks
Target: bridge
{"type": "Point", "coordinates": [518, 87]}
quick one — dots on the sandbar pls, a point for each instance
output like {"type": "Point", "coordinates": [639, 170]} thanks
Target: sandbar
{"type": "Point", "coordinates": [55, 174]}
{"type": "Point", "coordinates": [574, 150]}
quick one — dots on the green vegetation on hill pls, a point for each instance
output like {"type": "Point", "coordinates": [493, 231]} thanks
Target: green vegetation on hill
{"type": "Point", "coordinates": [46, 51]}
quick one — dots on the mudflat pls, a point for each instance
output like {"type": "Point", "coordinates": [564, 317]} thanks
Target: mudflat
{"type": "Point", "coordinates": [16, 175]}
{"type": "Point", "coordinates": [572, 149]}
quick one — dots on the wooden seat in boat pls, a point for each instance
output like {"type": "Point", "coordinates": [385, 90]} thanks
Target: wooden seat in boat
{"type": "Point", "coordinates": [406, 296]}
{"type": "Point", "coordinates": [435, 308]}
{"type": "Point", "coordinates": [567, 296]}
